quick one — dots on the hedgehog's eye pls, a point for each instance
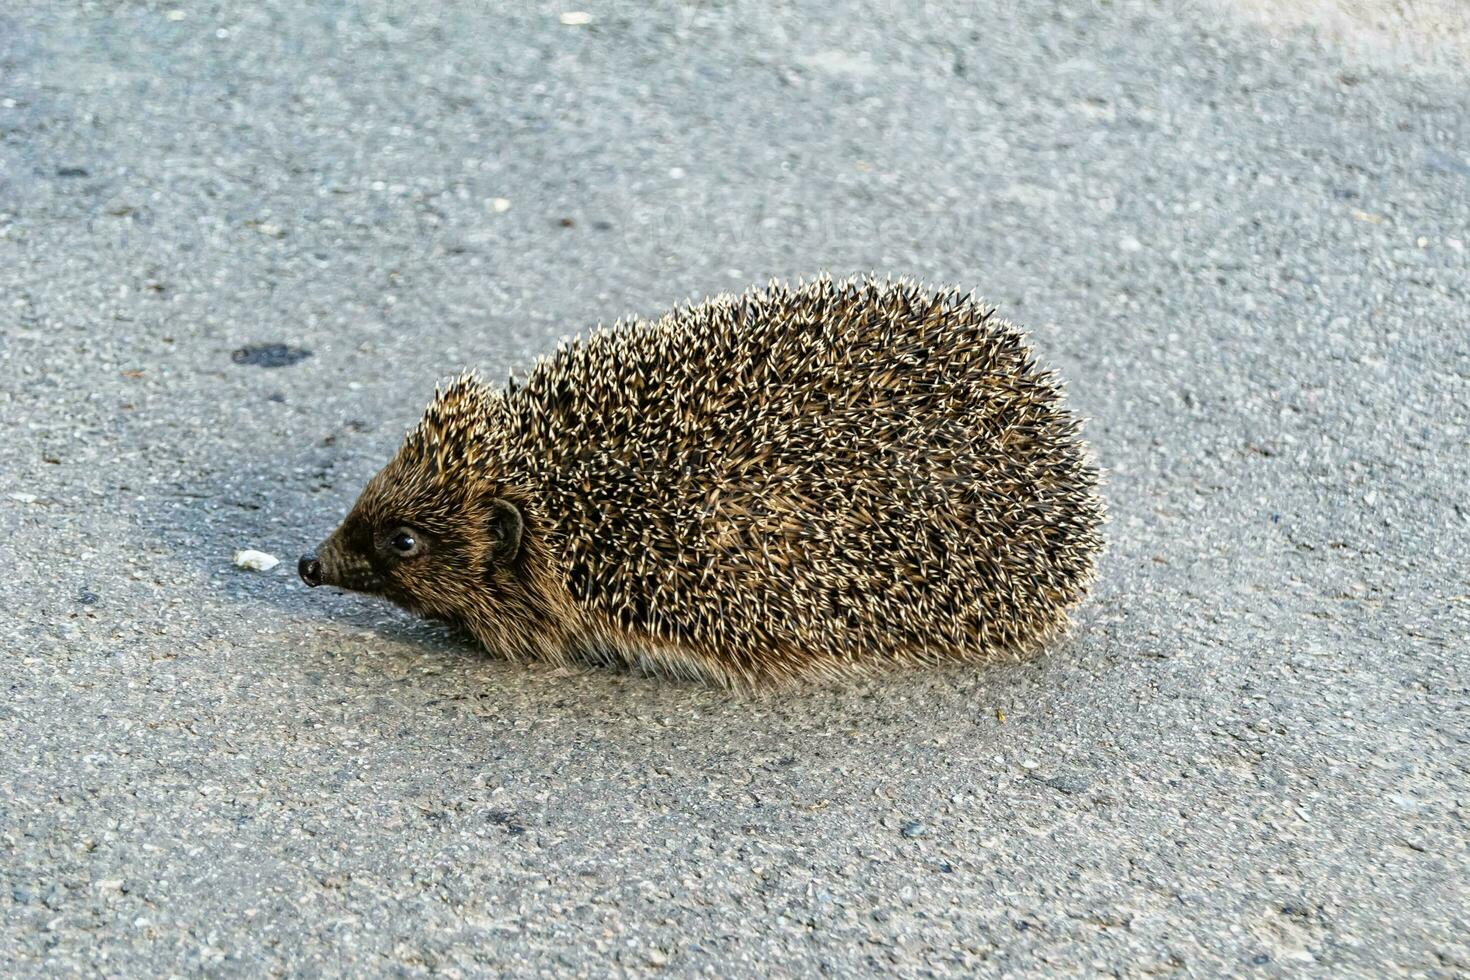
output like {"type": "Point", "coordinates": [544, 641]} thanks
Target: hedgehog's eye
{"type": "Point", "coordinates": [405, 542]}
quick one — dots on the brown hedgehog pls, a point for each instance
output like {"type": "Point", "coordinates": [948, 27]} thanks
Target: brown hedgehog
{"type": "Point", "coordinates": [794, 482]}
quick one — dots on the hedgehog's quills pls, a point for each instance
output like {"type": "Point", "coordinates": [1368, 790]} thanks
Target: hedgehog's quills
{"type": "Point", "coordinates": [795, 482]}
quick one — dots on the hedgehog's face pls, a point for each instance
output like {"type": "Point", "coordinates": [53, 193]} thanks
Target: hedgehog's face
{"type": "Point", "coordinates": [435, 550]}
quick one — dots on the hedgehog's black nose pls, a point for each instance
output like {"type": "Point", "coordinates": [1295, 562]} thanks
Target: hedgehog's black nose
{"type": "Point", "coordinates": [310, 570]}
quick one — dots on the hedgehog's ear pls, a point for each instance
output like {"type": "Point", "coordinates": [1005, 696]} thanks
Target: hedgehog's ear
{"type": "Point", "coordinates": [504, 526]}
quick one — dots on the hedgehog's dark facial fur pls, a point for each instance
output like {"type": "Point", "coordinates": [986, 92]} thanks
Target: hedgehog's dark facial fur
{"type": "Point", "coordinates": [424, 554]}
{"type": "Point", "coordinates": [433, 532]}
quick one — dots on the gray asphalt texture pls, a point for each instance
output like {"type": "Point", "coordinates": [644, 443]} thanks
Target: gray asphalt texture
{"type": "Point", "coordinates": [1245, 248]}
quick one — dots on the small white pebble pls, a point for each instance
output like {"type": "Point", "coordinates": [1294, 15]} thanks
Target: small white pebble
{"type": "Point", "coordinates": [255, 561]}
{"type": "Point", "coordinates": [24, 498]}
{"type": "Point", "coordinates": [500, 205]}
{"type": "Point", "coordinates": [1130, 244]}
{"type": "Point", "coordinates": [576, 18]}
{"type": "Point", "coordinates": [175, 15]}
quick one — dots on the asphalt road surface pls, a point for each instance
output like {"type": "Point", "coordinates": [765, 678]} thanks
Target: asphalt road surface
{"type": "Point", "coordinates": [1243, 240]}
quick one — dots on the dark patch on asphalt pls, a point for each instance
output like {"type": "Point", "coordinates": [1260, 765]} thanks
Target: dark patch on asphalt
{"type": "Point", "coordinates": [508, 820]}
{"type": "Point", "coordinates": [269, 355]}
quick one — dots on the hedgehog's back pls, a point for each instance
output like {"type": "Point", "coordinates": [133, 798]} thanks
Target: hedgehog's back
{"type": "Point", "coordinates": [812, 479]}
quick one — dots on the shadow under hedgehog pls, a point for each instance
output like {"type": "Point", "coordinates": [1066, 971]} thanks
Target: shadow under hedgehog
{"type": "Point", "coordinates": [797, 482]}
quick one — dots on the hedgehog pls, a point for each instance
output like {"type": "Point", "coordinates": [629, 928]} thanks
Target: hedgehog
{"type": "Point", "coordinates": [798, 482]}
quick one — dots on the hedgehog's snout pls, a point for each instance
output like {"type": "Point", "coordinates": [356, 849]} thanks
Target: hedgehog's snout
{"type": "Point", "coordinates": [322, 565]}
{"type": "Point", "coordinates": [331, 564]}
{"type": "Point", "coordinates": [310, 570]}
